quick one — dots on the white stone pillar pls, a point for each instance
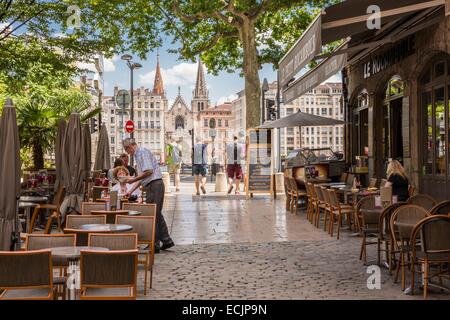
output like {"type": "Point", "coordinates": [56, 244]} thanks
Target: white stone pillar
{"type": "Point", "coordinates": [279, 182]}
{"type": "Point", "coordinates": [221, 182]}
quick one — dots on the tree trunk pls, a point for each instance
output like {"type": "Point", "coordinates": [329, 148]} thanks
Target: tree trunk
{"type": "Point", "coordinates": [251, 67]}
{"type": "Point", "coordinates": [38, 156]}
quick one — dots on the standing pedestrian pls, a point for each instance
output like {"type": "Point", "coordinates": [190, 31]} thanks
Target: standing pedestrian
{"type": "Point", "coordinates": [200, 163]}
{"type": "Point", "coordinates": [173, 159]}
{"type": "Point", "coordinates": [234, 167]}
{"type": "Point", "coordinates": [150, 178]}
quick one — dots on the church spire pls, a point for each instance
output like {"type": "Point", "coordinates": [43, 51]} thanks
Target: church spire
{"type": "Point", "coordinates": [158, 87]}
{"type": "Point", "coordinates": [200, 91]}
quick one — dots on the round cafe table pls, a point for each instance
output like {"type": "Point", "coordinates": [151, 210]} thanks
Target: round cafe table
{"type": "Point", "coordinates": [33, 199]}
{"type": "Point", "coordinates": [106, 228]}
{"type": "Point", "coordinates": [72, 253]}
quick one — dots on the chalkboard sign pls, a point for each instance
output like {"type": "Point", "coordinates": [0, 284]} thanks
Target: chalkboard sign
{"type": "Point", "coordinates": [259, 162]}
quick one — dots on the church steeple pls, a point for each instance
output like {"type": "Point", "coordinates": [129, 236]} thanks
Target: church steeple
{"type": "Point", "coordinates": [200, 91]}
{"type": "Point", "coordinates": [158, 86]}
{"type": "Point", "coordinates": [200, 99]}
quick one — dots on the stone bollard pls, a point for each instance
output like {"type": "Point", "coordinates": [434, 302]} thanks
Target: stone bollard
{"type": "Point", "coordinates": [279, 182]}
{"type": "Point", "coordinates": [166, 180]}
{"type": "Point", "coordinates": [221, 182]}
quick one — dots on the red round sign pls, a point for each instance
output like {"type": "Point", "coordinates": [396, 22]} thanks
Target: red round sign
{"type": "Point", "coordinates": [129, 126]}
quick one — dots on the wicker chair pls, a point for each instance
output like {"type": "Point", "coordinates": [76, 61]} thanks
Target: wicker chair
{"type": "Point", "coordinates": [340, 210]}
{"type": "Point", "coordinates": [383, 182]}
{"type": "Point", "coordinates": [384, 234]}
{"type": "Point", "coordinates": [321, 205]}
{"type": "Point", "coordinates": [88, 207]}
{"type": "Point", "coordinates": [287, 190]}
{"type": "Point", "coordinates": [116, 241]}
{"type": "Point", "coordinates": [386, 196]}
{"type": "Point", "coordinates": [442, 208]}
{"type": "Point", "coordinates": [365, 203]}
{"type": "Point", "coordinates": [26, 275]}
{"type": "Point", "coordinates": [328, 207]}
{"type": "Point", "coordinates": [145, 229]}
{"type": "Point", "coordinates": [423, 200]}
{"type": "Point", "coordinates": [401, 224]}
{"type": "Point", "coordinates": [108, 275]}
{"type": "Point", "coordinates": [373, 182]}
{"type": "Point", "coordinates": [313, 202]}
{"type": "Point", "coordinates": [435, 241]}
{"type": "Point", "coordinates": [146, 209]}
{"type": "Point", "coordinates": [54, 209]}
{"type": "Point", "coordinates": [74, 222]}
{"type": "Point", "coordinates": [296, 194]}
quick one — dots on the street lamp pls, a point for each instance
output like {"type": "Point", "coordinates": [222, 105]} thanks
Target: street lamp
{"type": "Point", "coordinates": [264, 89]}
{"type": "Point", "coordinates": [132, 66]}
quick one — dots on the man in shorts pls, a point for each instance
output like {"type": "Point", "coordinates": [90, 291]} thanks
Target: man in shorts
{"type": "Point", "coordinates": [234, 167]}
{"type": "Point", "coordinates": [174, 159]}
{"type": "Point", "coordinates": [199, 166]}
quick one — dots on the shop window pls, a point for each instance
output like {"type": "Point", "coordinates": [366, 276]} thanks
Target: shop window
{"type": "Point", "coordinates": [435, 101]}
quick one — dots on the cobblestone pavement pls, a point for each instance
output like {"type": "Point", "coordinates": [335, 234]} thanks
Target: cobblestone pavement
{"type": "Point", "coordinates": [227, 248]}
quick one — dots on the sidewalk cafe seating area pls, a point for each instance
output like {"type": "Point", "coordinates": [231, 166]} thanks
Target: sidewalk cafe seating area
{"type": "Point", "coordinates": [413, 237]}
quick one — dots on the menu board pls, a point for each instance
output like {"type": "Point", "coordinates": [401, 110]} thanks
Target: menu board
{"type": "Point", "coordinates": [259, 162]}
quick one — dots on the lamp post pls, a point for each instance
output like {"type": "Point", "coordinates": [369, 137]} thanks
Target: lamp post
{"type": "Point", "coordinates": [264, 89]}
{"type": "Point", "coordinates": [132, 66]}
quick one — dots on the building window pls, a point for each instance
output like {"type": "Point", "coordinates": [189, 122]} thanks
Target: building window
{"type": "Point", "coordinates": [146, 124]}
{"type": "Point", "coordinates": [112, 120]}
{"type": "Point", "coordinates": [205, 122]}
{"type": "Point", "coordinates": [139, 124]}
{"type": "Point", "coordinates": [220, 122]}
{"type": "Point", "coordinates": [112, 140]}
{"type": "Point", "coordinates": [152, 105]}
{"type": "Point", "coordinates": [152, 124]}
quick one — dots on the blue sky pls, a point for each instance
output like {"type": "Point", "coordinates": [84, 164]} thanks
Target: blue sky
{"type": "Point", "coordinates": [176, 73]}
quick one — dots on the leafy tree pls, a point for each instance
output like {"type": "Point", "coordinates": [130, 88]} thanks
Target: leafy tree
{"type": "Point", "coordinates": [229, 35]}
{"type": "Point", "coordinates": [43, 90]}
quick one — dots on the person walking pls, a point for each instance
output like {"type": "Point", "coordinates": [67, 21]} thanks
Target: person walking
{"type": "Point", "coordinates": [173, 159]}
{"type": "Point", "coordinates": [124, 157]}
{"type": "Point", "coordinates": [233, 162]}
{"type": "Point", "coordinates": [150, 178]}
{"type": "Point", "coordinates": [200, 163]}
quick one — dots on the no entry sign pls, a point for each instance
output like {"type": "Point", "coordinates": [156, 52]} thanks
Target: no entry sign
{"type": "Point", "coordinates": [129, 126]}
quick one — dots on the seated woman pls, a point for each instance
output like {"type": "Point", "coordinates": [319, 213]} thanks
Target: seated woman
{"type": "Point", "coordinates": [117, 163]}
{"type": "Point", "coordinates": [121, 187]}
{"type": "Point", "coordinates": [397, 180]}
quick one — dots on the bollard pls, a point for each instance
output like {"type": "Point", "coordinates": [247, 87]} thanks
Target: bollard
{"type": "Point", "coordinates": [221, 182]}
{"type": "Point", "coordinates": [166, 180]}
{"type": "Point", "coordinates": [279, 182]}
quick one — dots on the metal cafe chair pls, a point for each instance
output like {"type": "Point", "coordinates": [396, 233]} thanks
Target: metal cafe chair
{"type": "Point", "coordinates": [423, 200]}
{"type": "Point", "coordinates": [145, 228]}
{"type": "Point", "coordinates": [435, 244]}
{"type": "Point", "coordinates": [441, 208]}
{"type": "Point", "coordinates": [108, 275]}
{"type": "Point", "coordinates": [26, 275]}
{"type": "Point", "coordinates": [402, 223]}
{"type": "Point", "coordinates": [338, 209]}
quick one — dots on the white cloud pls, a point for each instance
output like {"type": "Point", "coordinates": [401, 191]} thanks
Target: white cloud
{"type": "Point", "coordinates": [182, 74]}
{"type": "Point", "coordinates": [230, 98]}
{"type": "Point", "coordinates": [109, 64]}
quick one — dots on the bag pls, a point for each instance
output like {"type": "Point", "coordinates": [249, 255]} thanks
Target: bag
{"type": "Point", "coordinates": [176, 154]}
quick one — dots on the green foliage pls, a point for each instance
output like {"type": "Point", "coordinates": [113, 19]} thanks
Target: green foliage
{"type": "Point", "coordinates": [43, 91]}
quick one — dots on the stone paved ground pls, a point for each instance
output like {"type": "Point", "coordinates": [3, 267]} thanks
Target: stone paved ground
{"type": "Point", "coordinates": [237, 249]}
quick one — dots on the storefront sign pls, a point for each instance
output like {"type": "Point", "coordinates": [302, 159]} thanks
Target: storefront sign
{"type": "Point", "coordinates": [312, 79]}
{"type": "Point", "coordinates": [392, 56]}
{"type": "Point", "coordinates": [306, 48]}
